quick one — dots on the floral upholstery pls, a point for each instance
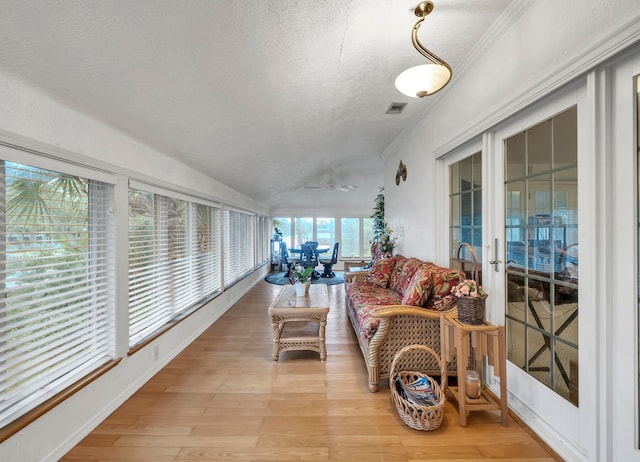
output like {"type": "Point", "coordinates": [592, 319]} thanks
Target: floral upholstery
{"type": "Point", "coordinates": [365, 298]}
{"type": "Point", "coordinates": [410, 267]}
{"type": "Point", "coordinates": [380, 272]}
{"type": "Point", "coordinates": [444, 279]}
{"type": "Point", "coordinates": [417, 283]}
{"type": "Point", "coordinates": [419, 289]}
{"type": "Point", "coordinates": [397, 269]}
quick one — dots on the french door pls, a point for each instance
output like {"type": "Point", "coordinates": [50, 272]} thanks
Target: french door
{"type": "Point", "coordinates": [531, 267]}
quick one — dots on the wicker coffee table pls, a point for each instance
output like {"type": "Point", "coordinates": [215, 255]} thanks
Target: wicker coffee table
{"type": "Point", "coordinates": [299, 323]}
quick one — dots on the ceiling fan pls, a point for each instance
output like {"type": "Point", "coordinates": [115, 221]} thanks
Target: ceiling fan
{"type": "Point", "coordinates": [331, 185]}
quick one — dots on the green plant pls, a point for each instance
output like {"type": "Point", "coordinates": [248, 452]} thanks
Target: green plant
{"type": "Point", "coordinates": [300, 274]}
{"type": "Point", "coordinates": [377, 219]}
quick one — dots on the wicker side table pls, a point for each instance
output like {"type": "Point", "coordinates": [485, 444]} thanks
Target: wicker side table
{"type": "Point", "coordinates": [487, 341]}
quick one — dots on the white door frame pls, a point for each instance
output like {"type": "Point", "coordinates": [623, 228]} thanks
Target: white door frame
{"type": "Point", "coordinates": [571, 428]}
{"type": "Point", "coordinates": [620, 238]}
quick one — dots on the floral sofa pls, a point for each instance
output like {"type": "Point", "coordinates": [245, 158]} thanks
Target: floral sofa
{"type": "Point", "coordinates": [398, 303]}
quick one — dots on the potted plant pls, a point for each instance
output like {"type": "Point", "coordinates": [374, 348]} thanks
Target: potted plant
{"type": "Point", "coordinates": [301, 279]}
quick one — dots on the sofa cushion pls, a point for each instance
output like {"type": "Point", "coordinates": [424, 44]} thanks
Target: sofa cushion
{"type": "Point", "coordinates": [444, 279]}
{"type": "Point", "coordinates": [364, 298]}
{"type": "Point", "coordinates": [410, 267]}
{"type": "Point", "coordinates": [381, 272]}
{"type": "Point", "coordinates": [419, 289]}
{"type": "Point", "coordinates": [397, 269]}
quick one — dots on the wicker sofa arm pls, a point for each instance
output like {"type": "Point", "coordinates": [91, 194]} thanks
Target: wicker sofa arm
{"type": "Point", "coordinates": [356, 276]}
{"type": "Point", "coordinates": [388, 311]}
{"type": "Point", "coordinates": [401, 325]}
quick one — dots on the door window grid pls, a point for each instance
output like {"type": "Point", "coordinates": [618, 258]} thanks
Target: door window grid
{"type": "Point", "coordinates": [465, 198]}
{"type": "Point", "coordinates": [541, 230]}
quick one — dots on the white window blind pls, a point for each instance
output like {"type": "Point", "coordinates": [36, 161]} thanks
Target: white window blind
{"type": "Point", "coordinates": [239, 232]}
{"type": "Point", "coordinates": [174, 262]}
{"type": "Point", "coordinates": [56, 283]}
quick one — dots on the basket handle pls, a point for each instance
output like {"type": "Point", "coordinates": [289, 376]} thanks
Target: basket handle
{"type": "Point", "coordinates": [474, 270]}
{"type": "Point", "coordinates": [425, 348]}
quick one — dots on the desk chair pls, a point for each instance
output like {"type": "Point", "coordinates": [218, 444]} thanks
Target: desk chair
{"type": "Point", "coordinates": [328, 263]}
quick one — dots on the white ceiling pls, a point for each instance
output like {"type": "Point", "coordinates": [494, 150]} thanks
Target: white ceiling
{"type": "Point", "coordinates": [264, 96]}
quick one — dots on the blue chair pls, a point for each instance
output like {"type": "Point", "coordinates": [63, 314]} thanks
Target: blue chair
{"type": "Point", "coordinates": [328, 263]}
{"type": "Point", "coordinates": [284, 259]}
{"type": "Point", "coordinates": [309, 258]}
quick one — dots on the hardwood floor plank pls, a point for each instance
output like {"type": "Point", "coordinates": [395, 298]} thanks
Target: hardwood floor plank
{"type": "Point", "coordinates": [224, 399]}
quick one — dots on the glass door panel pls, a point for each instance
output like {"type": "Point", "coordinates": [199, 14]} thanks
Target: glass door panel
{"type": "Point", "coordinates": [465, 199]}
{"type": "Point", "coordinates": [541, 233]}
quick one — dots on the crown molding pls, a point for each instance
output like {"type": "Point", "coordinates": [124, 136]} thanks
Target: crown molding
{"type": "Point", "coordinates": [504, 22]}
{"type": "Point", "coordinates": [562, 74]}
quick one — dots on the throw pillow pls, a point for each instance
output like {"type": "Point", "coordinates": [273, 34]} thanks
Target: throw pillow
{"type": "Point", "coordinates": [397, 269]}
{"type": "Point", "coordinates": [419, 289]}
{"type": "Point", "coordinates": [444, 279]}
{"type": "Point", "coordinates": [380, 272]}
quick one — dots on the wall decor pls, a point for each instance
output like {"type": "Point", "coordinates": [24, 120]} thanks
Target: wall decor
{"type": "Point", "coordinates": [401, 173]}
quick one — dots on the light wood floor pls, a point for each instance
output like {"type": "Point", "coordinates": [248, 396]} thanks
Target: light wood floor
{"type": "Point", "coordinates": [224, 399]}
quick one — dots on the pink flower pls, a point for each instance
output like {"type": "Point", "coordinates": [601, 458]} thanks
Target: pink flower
{"type": "Point", "coordinates": [468, 288]}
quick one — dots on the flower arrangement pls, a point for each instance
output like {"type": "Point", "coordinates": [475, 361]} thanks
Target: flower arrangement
{"type": "Point", "coordinates": [300, 274]}
{"type": "Point", "coordinates": [468, 288]}
{"type": "Point", "coordinates": [387, 243]}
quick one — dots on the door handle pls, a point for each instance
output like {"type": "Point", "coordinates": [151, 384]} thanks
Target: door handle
{"type": "Point", "coordinates": [496, 261]}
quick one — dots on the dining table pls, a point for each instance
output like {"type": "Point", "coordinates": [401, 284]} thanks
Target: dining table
{"type": "Point", "coordinates": [319, 250]}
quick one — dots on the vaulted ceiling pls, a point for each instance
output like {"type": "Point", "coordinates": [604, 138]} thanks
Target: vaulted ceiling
{"type": "Point", "coordinates": [266, 97]}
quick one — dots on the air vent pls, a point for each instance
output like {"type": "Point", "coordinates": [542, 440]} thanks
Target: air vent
{"type": "Point", "coordinates": [396, 108]}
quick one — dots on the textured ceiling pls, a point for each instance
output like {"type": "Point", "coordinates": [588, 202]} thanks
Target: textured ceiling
{"type": "Point", "coordinates": [264, 96]}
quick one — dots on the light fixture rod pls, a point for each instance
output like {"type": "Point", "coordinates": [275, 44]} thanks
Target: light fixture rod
{"type": "Point", "coordinates": [422, 49]}
{"type": "Point", "coordinates": [422, 10]}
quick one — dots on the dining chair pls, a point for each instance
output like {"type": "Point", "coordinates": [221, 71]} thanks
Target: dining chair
{"type": "Point", "coordinates": [284, 259]}
{"type": "Point", "coordinates": [308, 257]}
{"type": "Point", "coordinates": [328, 263]}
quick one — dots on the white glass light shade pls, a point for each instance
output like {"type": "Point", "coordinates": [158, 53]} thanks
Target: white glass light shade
{"type": "Point", "coordinates": [423, 80]}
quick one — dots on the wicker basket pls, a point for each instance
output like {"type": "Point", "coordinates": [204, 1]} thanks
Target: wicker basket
{"type": "Point", "coordinates": [471, 310]}
{"type": "Point", "coordinates": [414, 415]}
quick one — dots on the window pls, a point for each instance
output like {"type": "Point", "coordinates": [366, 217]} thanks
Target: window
{"type": "Point", "coordinates": [465, 199]}
{"type": "Point", "coordinates": [367, 232]}
{"type": "Point", "coordinates": [56, 280]}
{"type": "Point", "coordinates": [326, 231]}
{"type": "Point", "coordinates": [173, 259]}
{"type": "Point", "coordinates": [261, 236]}
{"type": "Point", "coordinates": [357, 233]}
{"type": "Point", "coordinates": [238, 244]}
{"type": "Point", "coordinates": [303, 231]}
{"type": "Point", "coordinates": [284, 225]}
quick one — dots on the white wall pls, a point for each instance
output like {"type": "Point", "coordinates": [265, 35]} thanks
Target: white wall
{"type": "Point", "coordinates": [31, 119]}
{"type": "Point", "coordinates": [547, 45]}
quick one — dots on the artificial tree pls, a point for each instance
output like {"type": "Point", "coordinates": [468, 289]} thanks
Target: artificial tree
{"type": "Point", "coordinates": [377, 219]}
